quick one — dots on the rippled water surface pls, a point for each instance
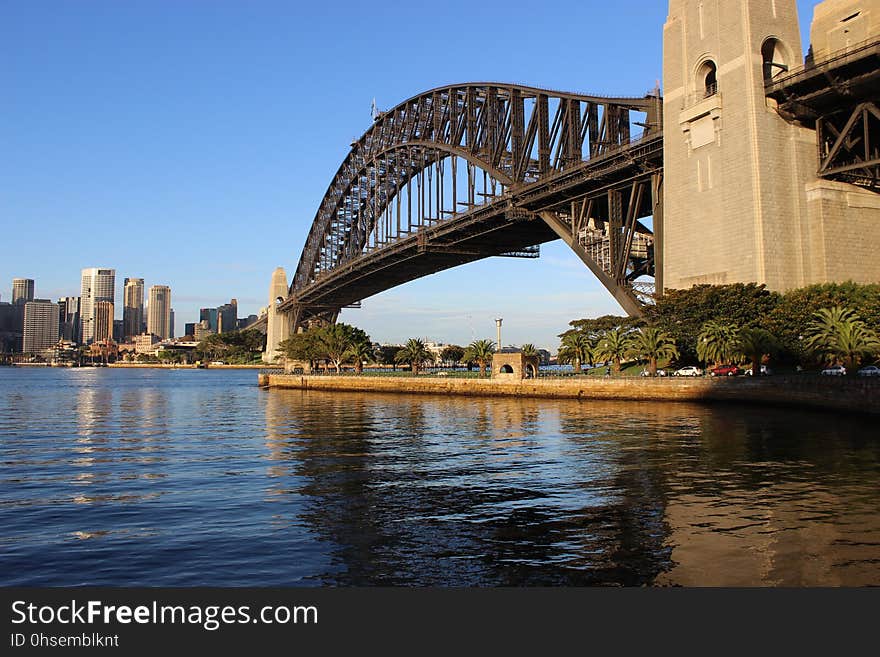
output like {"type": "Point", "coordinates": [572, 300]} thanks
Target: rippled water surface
{"type": "Point", "coordinates": [193, 477]}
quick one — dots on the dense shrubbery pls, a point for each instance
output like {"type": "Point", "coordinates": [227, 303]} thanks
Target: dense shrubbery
{"type": "Point", "coordinates": [742, 322]}
{"type": "Point", "coordinates": [235, 347]}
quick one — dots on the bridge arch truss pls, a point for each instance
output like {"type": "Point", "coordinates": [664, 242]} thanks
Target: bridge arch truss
{"type": "Point", "coordinates": [469, 171]}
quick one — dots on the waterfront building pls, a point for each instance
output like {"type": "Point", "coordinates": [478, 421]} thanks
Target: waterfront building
{"type": "Point", "coordinates": [189, 329]}
{"type": "Point", "coordinates": [97, 285]}
{"type": "Point", "coordinates": [22, 290]}
{"type": "Point", "coordinates": [103, 321]}
{"type": "Point", "coordinates": [118, 331]}
{"type": "Point", "coordinates": [202, 330]}
{"type": "Point", "coordinates": [40, 326]}
{"type": "Point", "coordinates": [10, 331]}
{"type": "Point", "coordinates": [171, 324]}
{"type": "Point", "coordinates": [159, 311]}
{"type": "Point", "coordinates": [133, 308]}
{"type": "Point", "coordinates": [69, 323]}
{"type": "Point", "coordinates": [143, 344]}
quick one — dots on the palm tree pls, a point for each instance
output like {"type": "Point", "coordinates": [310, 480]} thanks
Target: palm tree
{"type": "Point", "coordinates": [753, 344]}
{"type": "Point", "coordinates": [577, 349]}
{"type": "Point", "coordinates": [837, 333]}
{"type": "Point", "coordinates": [653, 344]}
{"type": "Point", "coordinates": [415, 353]}
{"type": "Point", "coordinates": [614, 345]}
{"type": "Point", "coordinates": [361, 351]}
{"type": "Point", "coordinates": [480, 352]}
{"type": "Point", "coordinates": [530, 351]}
{"type": "Point", "coordinates": [716, 343]}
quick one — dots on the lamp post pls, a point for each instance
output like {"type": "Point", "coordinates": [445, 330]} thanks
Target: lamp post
{"type": "Point", "coordinates": [498, 329]}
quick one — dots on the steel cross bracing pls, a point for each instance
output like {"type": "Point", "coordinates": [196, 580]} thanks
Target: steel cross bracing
{"type": "Point", "coordinates": [838, 96]}
{"type": "Point", "coordinates": [469, 171]}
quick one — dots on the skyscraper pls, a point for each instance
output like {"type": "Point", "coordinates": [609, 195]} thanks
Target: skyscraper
{"type": "Point", "coordinates": [103, 321]}
{"type": "Point", "coordinates": [97, 285]}
{"type": "Point", "coordinates": [133, 308]}
{"type": "Point", "coordinates": [227, 317]}
{"type": "Point", "coordinates": [69, 323]}
{"type": "Point", "coordinates": [40, 326]}
{"type": "Point", "coordinates": [22, 290]}
{"type": "Point", "coordinates": [159, 311]}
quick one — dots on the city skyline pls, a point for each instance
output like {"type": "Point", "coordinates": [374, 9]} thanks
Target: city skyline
{"type": "Point", "coordinates": [229, 188]}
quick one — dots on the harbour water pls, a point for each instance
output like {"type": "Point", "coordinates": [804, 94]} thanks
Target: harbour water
{"type": "Point", "coordinates": [198, 477]}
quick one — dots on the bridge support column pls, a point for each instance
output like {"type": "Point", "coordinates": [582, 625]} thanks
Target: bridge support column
{"type": "Point", "coordinates": [277, 323]}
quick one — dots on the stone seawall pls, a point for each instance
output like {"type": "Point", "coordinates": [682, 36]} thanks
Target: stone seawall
{"type": "Point", "coordinates": [830, 393]}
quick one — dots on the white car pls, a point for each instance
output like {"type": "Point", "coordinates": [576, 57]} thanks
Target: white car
{"type": "Point", "coordinates": [869, 370]}
{"type": "Point", "coordinates": [834, 370]}
{"type": "Point", "coordinates": [765, 371]}
{"type": "Point", "coordinates": [690, 370]}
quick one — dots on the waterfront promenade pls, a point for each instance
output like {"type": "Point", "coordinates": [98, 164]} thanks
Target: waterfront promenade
{"type": "Point", "coordinates": [856, 395]}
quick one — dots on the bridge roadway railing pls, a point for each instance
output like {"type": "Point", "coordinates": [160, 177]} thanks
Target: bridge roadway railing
{"type": "Point", "coordinates": [811, 68]}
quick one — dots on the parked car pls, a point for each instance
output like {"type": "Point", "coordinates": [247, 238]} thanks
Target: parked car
{"type": "Point", "coordinates": [834, 370]}
{"type": "Point", "coordinates": [645, 372]}
{"type": "Point", "coordinates": [869, 370]}
{"type": "Point", "coordinates": [690, 370]}
{"type": "Point", "coordinates": [765, 371]}
{"type": "Point", "coordinates": [725, 370]}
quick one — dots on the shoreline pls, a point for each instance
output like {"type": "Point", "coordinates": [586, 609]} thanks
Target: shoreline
{"type": "Point", "coordinates": [857, 395]}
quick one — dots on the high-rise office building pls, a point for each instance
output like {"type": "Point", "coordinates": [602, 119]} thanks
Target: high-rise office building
{"type": "Point", "coordinates": [22, 290]}
{"type": "Point", "coordinates": [103, 321]}
{"type": "Point", "coordinates": [97, 285]}
{"type": "Point", "coordinates": [209, 315]}
{"type": "Point", "coordinates": [227, 317]}
{"type": "Point", "coordinates": [159, 311]}
{"type": "Point", "coordinates": [133, 308]}
{"type": "Point", "coordinates": [69, 322]}
{"type": "Point", "coordinates": [189, 329]}
{"type": "Point", "coordinates": [171, 324]}
{"type": "Point", "coordinates": [40, 326]}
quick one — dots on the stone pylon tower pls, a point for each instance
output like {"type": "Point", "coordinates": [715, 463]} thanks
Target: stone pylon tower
{"type": "Point", "coordinates": [277, 323]}
{"type": "Point", "coordinates": [735, 206]}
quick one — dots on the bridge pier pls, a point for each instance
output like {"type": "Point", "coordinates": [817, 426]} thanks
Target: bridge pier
{"type": "Point", "coordinates": [277, 322]}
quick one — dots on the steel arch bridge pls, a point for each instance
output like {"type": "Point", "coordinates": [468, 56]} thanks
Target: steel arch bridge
{"type": "Point", "coordinates": [470, 171]}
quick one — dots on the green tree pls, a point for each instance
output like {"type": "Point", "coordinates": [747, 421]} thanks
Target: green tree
{"type": "Point", "coordinates": [839, 334]}
{"type": "Point", "coordinates": [387, 354]}
{"type": "Point", "coordinates": [480, 352]}
{"type": "Point", "coordinates": [452, 354]}
{"type": "Point", "coordinates": [614, 345]}
{"type": "Point", "coordinates": [797, 309]}
{"type": "Point", "coordinates": [415, 353]}
{"type": "Point", "coordinates": [753, 344]}
{"type": "Point", "coordinates": [530, 351]}
{"type": "Point", "coordinates": [301, 346]}
{"type": "Point", "coordinates": [652, 344]}
{"type": "Point", "coordinates": [361, 352]}
{"type": "Point", "coordinates": [335, 341]}
{"type": "Point", "coordinates": [577, 349]}
{"type": "Point", "coordinates": [716, 342]}
{"type": "Point", "coordinates": [683, 313]}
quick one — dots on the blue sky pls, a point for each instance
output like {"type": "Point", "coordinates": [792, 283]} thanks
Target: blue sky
{"type": "Point", "coordinates": [189, 142]}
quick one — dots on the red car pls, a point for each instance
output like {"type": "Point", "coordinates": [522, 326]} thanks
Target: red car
{"type": "Point", "coordinates": [725, 370]}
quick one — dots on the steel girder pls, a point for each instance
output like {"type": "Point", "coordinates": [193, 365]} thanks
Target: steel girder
{"type": "Point", "coordinates": [476, 143]}
{"type": "Point", "coordinates": [849, 146]}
